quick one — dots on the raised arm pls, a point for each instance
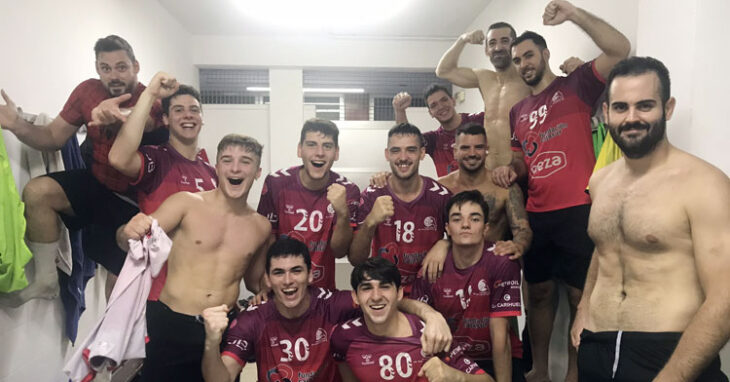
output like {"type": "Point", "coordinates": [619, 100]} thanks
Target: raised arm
{"type": "Point", "coordinates": [217, 368]}
{"type": "Point", "coordinates": [342, 234]}
{"type": "Point", "coordinates": [448, 67]}
{"type": "Point", "coordinates": [123, 154]}
{"type": "Point", "coordinates": [45, 138]}
{"type": "Point", "coordinates": [360, 247]}
{"type": "Point", "coordinates": [169, 216]}
{"type": "Point", "coordinates": [401, 102]}
{"type": "Point", "coordinates": [614, 45]}
{"type": "Point", "coordinates": [708, 331]}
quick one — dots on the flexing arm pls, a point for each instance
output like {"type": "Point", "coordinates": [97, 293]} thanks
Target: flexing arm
{"type": "Point", "coordinates": [448, 67]}
{"type": "Point", "coordinates": [519, 225]}
{"type": "Point", "coordinates": [401, 102]}
{"type": "Point", "coordinates": [342, 234]}
{"type": "Point", "coordinates": [709, 329]}
{"type": "Point", "coordinates": [169, 216]}
{"type": "Point", "coordinates": [614, 45]}
{"type": "Point", "coordinates": [501, 348]}
{"type": "Point", "coordinates": [123, 154]}
{"type": "Point", "coordinates": [360, 247]}
{"type": "Point", "coordinates": [44, 138]}
{"type": "Point", "coordinates": [436, 335]}
{"type": "Point", "coordinates": [216, 367]}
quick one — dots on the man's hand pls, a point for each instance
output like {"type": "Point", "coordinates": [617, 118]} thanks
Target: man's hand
{"type": "Point", "coordinates": [502, 248]}
{"type": "Point", "coordinates": [137, 227]}
{"type": "Point", "coordinates": [571, 64]}
{"type": "Point", "coordinates": [382, 209]}
{"type": "Point", "coordinates": [380, 179]}
{"type": "Point", "coordinates": [433, 264]}
{"type": "Point", "coordinates": [8, 112]}
{"type": "Point", "coordinates": [435, 370]}
{"type": "Point", "coordinates": [436, 335]}
{"type": "Point", "coordinates": [474, 37]}
{"type": "Point", "coordinates": [216, 322]}
{"type": "Point", "coordinates": [578, 325]}
{"type": "Point", "coordinates": [259, 298]}
{"type": "Point", "coordinates": [162, 85]}
{"type": "Point", "coordinates": [401, 101]}
{"type": "Point", "coordinates": [504, 176]}
{"type": "Point", "coordinates": [337, 196]}
{"type": "Point", "coordinates": [108, 112]}
{"type": "Point", "coordinates": [557, 11]}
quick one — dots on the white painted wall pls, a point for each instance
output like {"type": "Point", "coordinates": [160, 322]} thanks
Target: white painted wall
{"type": "Point", "coordinates": [48, 50]}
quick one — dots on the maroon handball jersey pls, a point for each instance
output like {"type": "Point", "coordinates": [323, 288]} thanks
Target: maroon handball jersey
{"type": "Point", "coordinates": [296, 349]}
{"type": "Point", "coordinates": [307, 216]}
{"type": "Point", "coordinates": [375, 358]}
{"type": "Point", "coordinates": [440, 144]}
{"type": "Point", "coordinates": [553, 130]}
{"type": "Point", "coordinates": [165, 171]}
{"type": "Point", "coordinates": [469, 297]}
{"type": "Point", "coordinates": [405, 238]}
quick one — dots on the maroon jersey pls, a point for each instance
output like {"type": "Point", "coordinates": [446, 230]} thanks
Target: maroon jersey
{"type": "Point", "coordinates": [553, 130]}
{"type": "Point", "coordinates": [469, 297]}
{"type": "Point", "coordinates": [297, 349]}
{"type": "Point", "coordinates": [165, 171]}
{"type": "Point", "coordinates": [307, 216]}
{"type": "Point", "coordinates": [375, 358]}
{"type": "Point", "coordinates": [77, 112]}
{"type": "Point", "coordinates": [414, 228]}
{"type": "Point", "coordinates": [440, 144]}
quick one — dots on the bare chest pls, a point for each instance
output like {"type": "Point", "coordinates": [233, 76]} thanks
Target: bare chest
{"type": "Point", "coordinates": [499, 96]}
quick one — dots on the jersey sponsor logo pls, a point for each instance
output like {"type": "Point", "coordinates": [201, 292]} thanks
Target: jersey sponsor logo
{"type": "Point", "coordinates": [280, 373]}
{"type": "Point", "coordinates": [289, 209]}
{"type": "Point", "coordinates": [530, 144]}
{"type": "Point", "coordinates": [557, 97]}
{"type": "Point", "coordinates": [508, 305]}
{"type": "Point", "coordinates": [317, 272]}
{"type": "Point", "coordinates": [507, 297]}
{"type": "Point", "coordinates": [274, 341]}
{"type": "Point", "coordinates": [475, 323]}
{"type": "Point", "coordinates": [274, 218]}
{"type": "Point", "coordinates": [503, 283]}
{"type": "Point", "coordinates": [553, 132]}
{"type": "Point", "coordinates": [448, 293]}
{"type": "Point", "coordinates": [240, 344]}
{"type": "Point", "coordinates": [547, 163]}
{"type": "Point", "coordinates": [305, 376]}
{"type": "Point", "coordinates": [441, 190]}
{"type": "Point", "coordinates": [388, 222]}
{"type": "Point", "coordinates": [367, 359]}
{"type": "Point", "coordinates": [150, 164]}
{"type": "Point", "coordinates": [184, 180]}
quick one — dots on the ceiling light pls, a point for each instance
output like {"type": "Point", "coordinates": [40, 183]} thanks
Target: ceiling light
{"type": "Point", "coordinates": [311, 90]}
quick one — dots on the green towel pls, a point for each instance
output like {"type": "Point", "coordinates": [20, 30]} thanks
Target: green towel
{"type": "Point", "coordinates": [14, 253]}
{"type": "Point", "coordinates": [599, 134]}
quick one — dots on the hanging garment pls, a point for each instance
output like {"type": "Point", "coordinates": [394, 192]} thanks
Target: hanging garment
{"type": "Point", "coordinates": [120, 334]}
{"type": "Point", "coordinates": [609, 153]}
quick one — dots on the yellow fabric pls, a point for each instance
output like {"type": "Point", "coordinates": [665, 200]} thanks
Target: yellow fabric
{"type": "Point", "coordinates": [609, 153]}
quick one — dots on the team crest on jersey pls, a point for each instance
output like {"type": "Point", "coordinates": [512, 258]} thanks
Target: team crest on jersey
{"type": "Point", "coordinates": [430, 223]}
{"type": "Point", "coordinates": [557, 97]}
{"type": "Point", "coordinates": [482, 286]}
{"type": "Point", "coordinates": [320, 336]}
{"type": "Point", "coordinates": [330, 209]}
{"type": "Point", "coordinates": [367, 359]}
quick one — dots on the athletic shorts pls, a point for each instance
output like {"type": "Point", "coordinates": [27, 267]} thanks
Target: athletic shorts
{"type": "Point", "coordinates": [560, 246]}
{"type": "Point", "coordinates": [518, 369]}
{"type": "Point", "coordinates": [174, 351]}
{"type": "Point", "coordinates": [632, 356]}
{"type": "Point", "coordinates": [99, 212]}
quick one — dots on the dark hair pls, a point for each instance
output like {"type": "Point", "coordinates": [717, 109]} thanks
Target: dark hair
{"type": "Point", "coordinates": [182, 90]}
{"type": "Point", "coordinates": [463, 197]}
{"type": "Point", "coordinates": [316, 125]}
{"type": "Point", "coordinates": [250, 144]}
{"type": "Point", "coordinates": [375, 268]}
{"type": "Point", "coordinates": [433, 88]}
{"type": "Point", "coordinates": [634, 66]}
{"type": "Point", "coordinates": [285, 246]}
{"type": "Point", "coordinates": [532, 36]}
{"type": "Point", "coordinates": [113, 43]}
{"type": "Point", "coordinates": [406, 129]}
{"type": "Point", "coordinates": [502, 24]}
{"type": "Point", "coordinates": [471, 128]}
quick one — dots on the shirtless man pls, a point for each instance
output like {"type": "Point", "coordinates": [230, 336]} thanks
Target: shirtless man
{"type": "Point", "coordinates": [500, 89]}
{"type": "Point", "coordinates": [655, 305]}
{"type": "Point", "coordinates": [215, 235]}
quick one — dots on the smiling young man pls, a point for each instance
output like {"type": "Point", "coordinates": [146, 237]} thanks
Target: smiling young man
{"type": "Point", "coordinates": [478, 291]}
{"type": "Point", "coordinates": [384, 345]}
{"type": "Point", "coordinates": [311, 202]}
{"type": "Point", "coordinates": [442, 107]}
{"type": "Point", "coordinates": [289, 334]}
{"type": "Point", "coordinates": [215, 235]}
{"type": "Point", "coordinates": [403, 220]}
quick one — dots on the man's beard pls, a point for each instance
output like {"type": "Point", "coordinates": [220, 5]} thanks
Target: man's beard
{"type": "Point", "coordinates": [638, 148]}
{"type": "Point", "coordinates": [477, 169]}
{"type": "Point", "coordinates": [501, 62]}
{"type": "Point", "coordinates": [539, 72]}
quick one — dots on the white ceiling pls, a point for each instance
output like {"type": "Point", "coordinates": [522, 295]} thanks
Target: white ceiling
{"type": "Point", "coordinates": [427, 19]}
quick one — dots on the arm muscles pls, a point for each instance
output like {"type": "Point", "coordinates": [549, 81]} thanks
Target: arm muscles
{"type": "Point", "coordinates": [517, 218]}
{"type": "Point", "coordinates": [123, 154]}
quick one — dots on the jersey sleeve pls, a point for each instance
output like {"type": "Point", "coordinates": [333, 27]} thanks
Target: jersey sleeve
{"type": "Point", "coordinates": [239, 341]}
{"type": "Point", "coordinates": [430, 138]}
{"type": "Point", "coordinates": [505, 293]}
{"type": "Point", "coordinates": [458, 361]}
{"type": "Point", "coordinates": [72, 111]}
{"type": "Point", "coordinates": [474, 118]}
{"type": "Point", "coordinates": [267, 207]}
{"type": "Point", "coordinates": [339, 343]}
{"type": "Point", "coordinates": [150, 174]}
{"type": "Point", "coordinates": [587, 83]}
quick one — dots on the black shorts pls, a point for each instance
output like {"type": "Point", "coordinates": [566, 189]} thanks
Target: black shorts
{"type": "Point", "coordinates": [560, 246]}
{"type": "Point", "coordinates": [176, 343]}
{"type": "Point", "coordinates": [641, 355]}
{"type": "Point", "coordinates": [518, 369]}
{"type": "Point", "coordinates": [99, 212]}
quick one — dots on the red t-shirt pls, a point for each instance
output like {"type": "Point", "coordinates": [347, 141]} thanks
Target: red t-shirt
{"type": "Point", "coordinates": [440, 144]}
{"type": "Point", "coordinates": [375, 358]}
{"type": "Point", "coordinates": [297, 349]}
{"type": "Point", "coordinates": [469, 297]}
{"type": "Point", "coordinates": [77, 111]}
{"type": "Point", "coordinates": [553, 131]}
{"type": "Point", "coordinates": [405, 238]}
{"type": "Point", "coordinates": [307, 216]}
